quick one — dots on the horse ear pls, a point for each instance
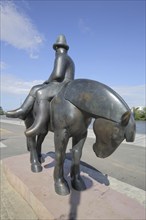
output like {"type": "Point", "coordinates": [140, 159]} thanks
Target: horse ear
{"type": "Point", "coordinates": [125, 118]}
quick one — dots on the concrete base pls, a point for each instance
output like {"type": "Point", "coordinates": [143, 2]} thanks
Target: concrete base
{"type": "Point", "coordinates": [98, 201]}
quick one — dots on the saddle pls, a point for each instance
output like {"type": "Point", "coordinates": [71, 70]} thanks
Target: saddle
{"type": "Point", "coordinates": [92, 97]}
{"type": "Point", "coordinates": [96, 98]}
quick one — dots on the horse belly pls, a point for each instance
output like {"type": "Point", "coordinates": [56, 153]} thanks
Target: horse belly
{"type": "Point", "coordinates": [66, 116]}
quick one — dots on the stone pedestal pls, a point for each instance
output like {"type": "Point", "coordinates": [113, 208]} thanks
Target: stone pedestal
{"type": "Point", "coordinates": [98, 201]}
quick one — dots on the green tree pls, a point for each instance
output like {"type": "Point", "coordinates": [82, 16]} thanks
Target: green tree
{"type": "Point", "coordinates": [140, 114]}
{"type": "Point", "coordinates": [1, 111]}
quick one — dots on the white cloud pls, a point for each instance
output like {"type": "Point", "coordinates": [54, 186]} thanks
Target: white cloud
{"type": "Point", "coordinates": [18, 30]}
{"type": "Point", "coordinates": [12, 85]}
{"type": "Point", "coordinates": [133, 95]}
{"type": "Point", "coordinates": [3, 65]}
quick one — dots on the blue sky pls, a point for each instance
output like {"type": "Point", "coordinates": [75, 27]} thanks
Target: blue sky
{"type": "Point", "coordinates": [106, 39]}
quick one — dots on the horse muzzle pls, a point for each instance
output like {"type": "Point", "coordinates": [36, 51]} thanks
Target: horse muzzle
{"type": "Point", "coordinates": [103, 150]}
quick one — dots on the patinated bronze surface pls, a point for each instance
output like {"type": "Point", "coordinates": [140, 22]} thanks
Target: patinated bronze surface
{"type": "Point", "coordinates": [68, 113]}
{"type": "Point", "coordinates": [96, 98]}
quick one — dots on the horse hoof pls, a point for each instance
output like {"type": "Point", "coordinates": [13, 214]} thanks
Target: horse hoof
{"type": "Point", "coordinates": [36, 168]}
{"type": "Point", "coordinates": [78, 184]}
{"type": "Point", "coordinates": [41, 159]}
{"type": "Point", "coordinates": [62, 188]}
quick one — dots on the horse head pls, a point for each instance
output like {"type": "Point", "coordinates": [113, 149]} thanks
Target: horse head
{"type": "Point", "coordinates": [110, 134]}
{"type": "Point", "coordinates": [114, 120]}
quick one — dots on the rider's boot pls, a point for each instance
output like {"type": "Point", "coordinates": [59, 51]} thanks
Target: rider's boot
{"type": "Point", "coordinates": [41, 122]}
{"type": "Point", "coordinates": [23, 110]}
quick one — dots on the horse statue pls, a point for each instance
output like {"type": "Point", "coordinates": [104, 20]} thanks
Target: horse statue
{"type": "Point", "coordinates": [72, 110]}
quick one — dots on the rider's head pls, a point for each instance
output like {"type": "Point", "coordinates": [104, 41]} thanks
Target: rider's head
{"type": "Point", "coordinates": [60, 43]}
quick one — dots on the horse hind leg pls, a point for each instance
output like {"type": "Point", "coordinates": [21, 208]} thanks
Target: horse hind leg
{"type": "Point", "coordinates": [76, 180]}
{"type": "Point", "coordinates": [61, 141]}
{"type": "Point", "coordinates": [40, 139]}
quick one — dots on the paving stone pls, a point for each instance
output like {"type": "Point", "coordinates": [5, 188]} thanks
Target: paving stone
{"type": "Point", "coordinates": [98, 201]}
{"type": "Point", "coordinates": [13, 206]}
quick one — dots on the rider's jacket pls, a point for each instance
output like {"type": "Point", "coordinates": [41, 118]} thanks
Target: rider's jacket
{"type": "Point", "coordinates": [64, 68]}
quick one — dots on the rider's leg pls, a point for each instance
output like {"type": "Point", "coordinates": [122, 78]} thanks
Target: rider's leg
{"type": "Point", "coordinates": [23, 110]}
{"type": "Point", "coordinates": [43, 97]}
{"type": "Point", "coordinates": [26, 106]}
{"type": "Point", "coordinates": [40, 125]}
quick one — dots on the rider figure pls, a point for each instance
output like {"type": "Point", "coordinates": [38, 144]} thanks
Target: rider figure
{"type": "Point", "coordinates": [41, 95]}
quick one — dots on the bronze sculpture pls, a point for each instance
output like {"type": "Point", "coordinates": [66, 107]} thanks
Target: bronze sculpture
{"type": "Point", "coordinates": [71, 110]}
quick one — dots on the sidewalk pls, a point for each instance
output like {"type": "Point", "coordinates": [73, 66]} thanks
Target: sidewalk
{"type": "Point", "coordinates": [99, 201]}
{"type": "Point", "coordinates": [13, 206]}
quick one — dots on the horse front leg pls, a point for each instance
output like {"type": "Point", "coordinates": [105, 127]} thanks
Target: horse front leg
{"type": "Point", "coordinates": [76, 180]}
{"type": "Point", "coordinates": [61, 140]}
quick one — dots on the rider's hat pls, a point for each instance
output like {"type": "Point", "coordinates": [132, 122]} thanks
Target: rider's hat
{"type": "Point", "coordinates": [61, 42]}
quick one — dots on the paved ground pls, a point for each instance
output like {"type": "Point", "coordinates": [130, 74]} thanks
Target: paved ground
{"type": "Point", "coordinates": [14, 207]}
{"type": "Point", "coordinates": [114, 200]}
